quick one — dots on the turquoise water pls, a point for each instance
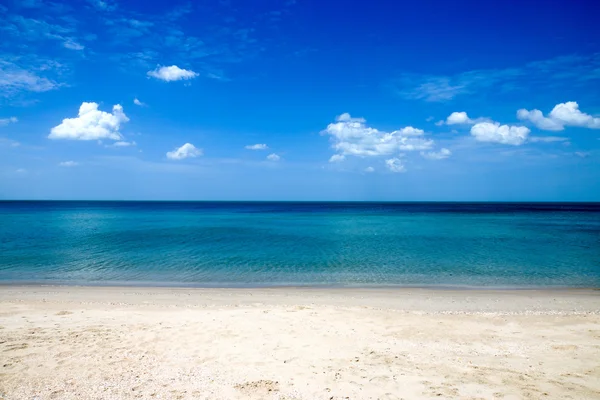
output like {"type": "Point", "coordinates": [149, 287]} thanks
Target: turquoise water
{"type": "Point", "coordinates": [336, 244]}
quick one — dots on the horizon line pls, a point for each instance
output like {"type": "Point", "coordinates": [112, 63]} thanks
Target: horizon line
{"type": "Point", "coordinates": [312, 201]}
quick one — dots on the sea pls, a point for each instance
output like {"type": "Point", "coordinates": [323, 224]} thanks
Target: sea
{"type": "Point", "coordinates": [331, 244]}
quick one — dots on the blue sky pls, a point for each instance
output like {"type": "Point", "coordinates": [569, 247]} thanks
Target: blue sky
{"type": "Point", "coordinates": [299, 100]}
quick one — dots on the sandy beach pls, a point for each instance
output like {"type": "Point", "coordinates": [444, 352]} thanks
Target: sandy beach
{"type": "Point", "coordinates": [285, 343]}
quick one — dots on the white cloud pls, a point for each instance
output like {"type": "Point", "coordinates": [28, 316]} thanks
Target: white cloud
{"type": "Point", "coordinates": [351, 136]}
{"type": "Point", "coordinates": [369, 169]}
{"type": "Point", "coordinates": [273, 157]}
{"type": "Point", "coordinates": [547, 139]}
{"type": "Point", "coordinates": [6, 121]}
{"type": "Point", "coordinates": [563, 114]}
{"type": "Point", "coordinates": [337, 158]}
{"type": "Point", "coordinates": [68, 164]}
{"type": "Point", "coordinates": [457, 118]}
{"type": "Point", "coordinates": [439, 155]}
{"type": "Point", "coordinates": [188, 150]}
{"type": "Point", "coordinates": [460, 118]}
{"type": "Point", "coordinates": [103, 5]}
{"type": "Point", "coordinates": [538, 119]}
{"type": "Point", "coordinates": [395, 165]}
{"type": "Point", "coordinates": [21, 171]}
{"type": "Point", "coordinates": [72, 45]}
{"type": "Point", "coordinates": [496, 133]}
{"type": "Point", "coordinates": [138, 103]}
{"type": "Point", "coordinates": [172, 73]}
{"type": "Point", "coordinates": [410, 131]}
{"type": "Point", "coordinates": [258, 146]}
{"type": "Point", "coordinates": [560, 72]}
{"type": "Point", "coordinates": [91, 124]}
{"type": "Point", "coordinates": [123, 144]}
{"type": "Point", "coordinates": [14, 79]}
{"type": "Point", "coordinates": [582, 154]}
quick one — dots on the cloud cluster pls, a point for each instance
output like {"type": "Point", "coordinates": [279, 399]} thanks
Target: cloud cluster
{"type": "Point", "coordinates": [91, 124]}
{"type": "Point", "coordinates": [188, 150]}
{"type": "Point", "coordinates": [15, 79]}
{"type": "Point", "coordinates": [273, 157]}
{"type": "Point", "coordinates": [495, 133]}
{"type": "Point", "coordinates": [172, 73]}
{"type": "Point", "coordinates": [37, 30]}
{"type": "Point", "coordinates": [352, 137]}
{"type": "Point", "coordinates": [563, 114]}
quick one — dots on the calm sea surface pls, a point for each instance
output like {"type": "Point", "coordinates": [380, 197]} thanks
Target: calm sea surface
{"type": "Point", "coordinates": [335, 244]}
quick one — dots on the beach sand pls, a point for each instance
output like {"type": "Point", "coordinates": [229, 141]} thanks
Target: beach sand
{"type": "Point", "coordinates": [286, 343]}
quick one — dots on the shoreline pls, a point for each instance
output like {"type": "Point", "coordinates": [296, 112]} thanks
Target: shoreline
{"type": "Point", "coordinates": [563, 300]}
{"type": "Point", "coordinates": [296, 286]}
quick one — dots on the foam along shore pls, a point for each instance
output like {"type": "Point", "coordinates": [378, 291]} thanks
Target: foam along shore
{"type": "Point", "coordinates": [287, 343]}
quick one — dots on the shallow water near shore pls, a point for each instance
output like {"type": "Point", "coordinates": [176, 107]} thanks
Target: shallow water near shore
{"type": "Point", "coordinates": [233, 244]}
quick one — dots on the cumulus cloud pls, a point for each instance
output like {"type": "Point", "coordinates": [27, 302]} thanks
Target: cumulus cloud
{"type": "Point", "coordinates": [460, 118]}
{"type": "Point", "coordinates": [562, 115]}
{"type": "Point", "coordinates": [68, 164]}
{"type": "Point", "coordinates": [496, 133]}
{"type": "Point", "coordinates": [172, 73]}
{"type": "Point", "coordinates": [273, 157]}
{"type": "Point", "coordinates": [457, 118]}
{"type": "Point", "coordinates": [188, 150]}
{"type": "Point", "coordinates": [337, 158]}
{"type": "Point", "coordinates": [369, 169]}
{"type": "Point", "coordinates": [351, 136]}
{"type": "Point", "coordinates": [538, 119]}
{"type": "Point", "coordinates": [138, 103]}
{"type": "Point", "coordinates": [6, 121]}
{"type": "Point", "coordinates": [437, 155]}
{"type": "Point", "coordinates": [395, 165]}
{"type": "Point", "coordinates": [258, 146]}
{"type": "Point", "coordinates": [91, 124]}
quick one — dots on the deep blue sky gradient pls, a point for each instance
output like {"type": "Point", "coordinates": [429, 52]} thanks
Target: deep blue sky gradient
{"type": "Point", "coordinates": [278, 72]}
